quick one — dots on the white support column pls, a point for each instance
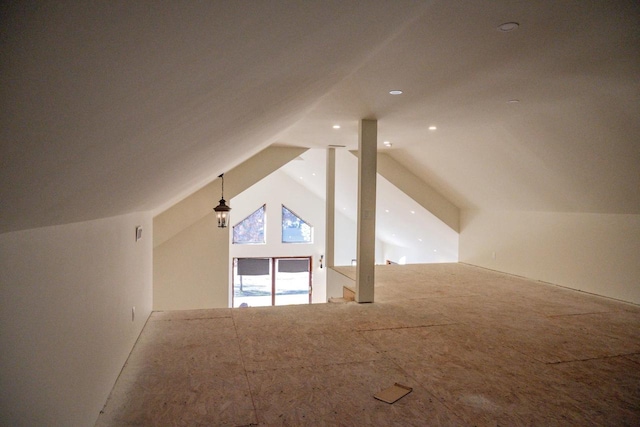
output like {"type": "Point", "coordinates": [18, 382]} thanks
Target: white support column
{"type": "Point", "coordinates": [367, 168]}
{"type": "Point", "coordinates": [329, 252]}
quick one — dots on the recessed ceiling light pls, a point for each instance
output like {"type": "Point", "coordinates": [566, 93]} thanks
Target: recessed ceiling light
{"type": "Point", "coordinates": [386, 210]}
{"type": "Point", "coordinates": [419, 240]}
{"type": "Point", "coordinates": [313, 174]}
{"type": "Point", "coordinates": [508, 26]}
{"type": "Point", "coordinates": [387, 144]}
{"type": "Point", "coordinates": [412, 212]}
{"type": "Point", "coordinates": [432, 128]}
{"type": "Point", "coordinates": [513, 101]}
{"type": "Point", "coordinates": [395, 92]}
{"type": "Point", "coordinates": [336, 126]}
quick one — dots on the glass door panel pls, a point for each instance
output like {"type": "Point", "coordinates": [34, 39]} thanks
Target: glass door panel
{"type": "Point", "coordinates": [292, 281]}
{"type": "Point", "coordinates": [252, 282]}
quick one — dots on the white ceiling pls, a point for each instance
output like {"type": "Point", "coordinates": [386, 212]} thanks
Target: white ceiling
{"type": "Point", "coordinates": [115, 107]}
{"type": "Point", "coordinates": [400, 220]}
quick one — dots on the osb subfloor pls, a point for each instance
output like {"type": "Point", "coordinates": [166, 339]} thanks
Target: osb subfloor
{"type": "Point", "coordinates": [478, 347]}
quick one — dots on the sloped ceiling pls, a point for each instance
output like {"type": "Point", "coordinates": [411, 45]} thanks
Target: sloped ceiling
{"type": "Point", "coordinates": [400, 220]}
{"type": "Point", "coordinates": [116, 107]}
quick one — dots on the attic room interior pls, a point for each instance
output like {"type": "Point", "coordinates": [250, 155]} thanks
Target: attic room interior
{"type": "Point", "coordinates": [504, 147]}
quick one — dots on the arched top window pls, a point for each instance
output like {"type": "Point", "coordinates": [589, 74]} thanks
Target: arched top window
{"type": "Point", "coordinates": [294, 228]}
{"type": "Point", "coordinates": [251, 230]}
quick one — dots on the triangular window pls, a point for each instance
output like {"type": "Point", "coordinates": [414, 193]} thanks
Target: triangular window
{"type": "Point", "coordinates": [294, 228]}
{"type": "Point", "coordinates": [251, 230]}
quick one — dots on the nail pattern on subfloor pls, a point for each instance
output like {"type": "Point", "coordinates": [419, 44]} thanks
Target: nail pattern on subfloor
{"type": "Point", "coordinates": [478, 348]}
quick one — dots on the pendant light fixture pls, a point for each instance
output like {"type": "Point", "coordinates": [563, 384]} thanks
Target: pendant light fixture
{"type": "Point", "coordinates": [222, 210]}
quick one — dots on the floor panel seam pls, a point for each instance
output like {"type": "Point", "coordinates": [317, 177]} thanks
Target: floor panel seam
{"type": "Point", "coordinates": [578, 314]}
{"type": "Point", "coordinates": [244, 368]}
{"type": "Point", "coordinates": [408, 327]}
{"type": "Point", "coordinates": [592, 358]}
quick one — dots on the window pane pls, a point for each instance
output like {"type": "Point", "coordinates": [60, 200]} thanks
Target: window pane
{"type": "Point", "coordinates": [251, 229]}
{"type": "Point", "coordinates": [293, 281]}
{"type": "Point", "coordinates": [294, 228]}
{"type": "Point", "coordinates": [252, 285]}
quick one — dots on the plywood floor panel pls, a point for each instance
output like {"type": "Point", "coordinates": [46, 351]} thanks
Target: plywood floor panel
{"type": "Point", "coordinates": [199, 398]}
{"type": "Point", "coordinates": [342, 395]}
{"type": "Point", "coordinates": [478, 347]}
{"type": "Point", "coordinates": [615, 380]}
{"type": "Point", "coordinates": [303, 350]}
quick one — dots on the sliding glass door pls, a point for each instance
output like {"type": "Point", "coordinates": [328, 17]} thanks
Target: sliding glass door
{"type": "Point", "coordinates": [292, 281]}
{"type": "Point", "coordinates": [259, 282]}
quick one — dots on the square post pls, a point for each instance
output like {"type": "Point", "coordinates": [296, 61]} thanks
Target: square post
{"type": "Point", "coordinates": [366, 245]}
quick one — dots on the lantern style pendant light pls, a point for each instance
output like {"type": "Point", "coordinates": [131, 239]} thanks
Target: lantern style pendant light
{"type": "Point", "coordinates": [222, 210]}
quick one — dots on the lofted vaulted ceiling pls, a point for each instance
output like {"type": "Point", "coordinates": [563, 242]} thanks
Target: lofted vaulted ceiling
{"type": "Point", "coordinates": [116, 107]}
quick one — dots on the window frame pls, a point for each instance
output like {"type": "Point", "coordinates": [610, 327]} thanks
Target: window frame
{"type": "Point", "coordinates": [305, 222]}
{"type": "Point", "coordinates": [264, 228]}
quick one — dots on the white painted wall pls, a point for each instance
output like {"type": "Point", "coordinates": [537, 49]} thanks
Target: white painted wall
{"type": "Point", "coordinates": [66, 325]}
{"type": "Point", "coordinates": [419, 253]}
{"type": "Point", "coordinates": [596, 253]}
{"type": "Point", "coordinates": [336, 282]}
{"type": "Point", "coordinates": [346, 236]}
{"type": "Point", "coordinates": [190, 253]}
{"type": "Point", "coordinates": [404, 227]}
{"type": "Point", "coordinates": [190, 270]}
{"type": "Point", "coordinates": [345, 239]}
{"type": "Point", "coordinates": [275, 190]}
